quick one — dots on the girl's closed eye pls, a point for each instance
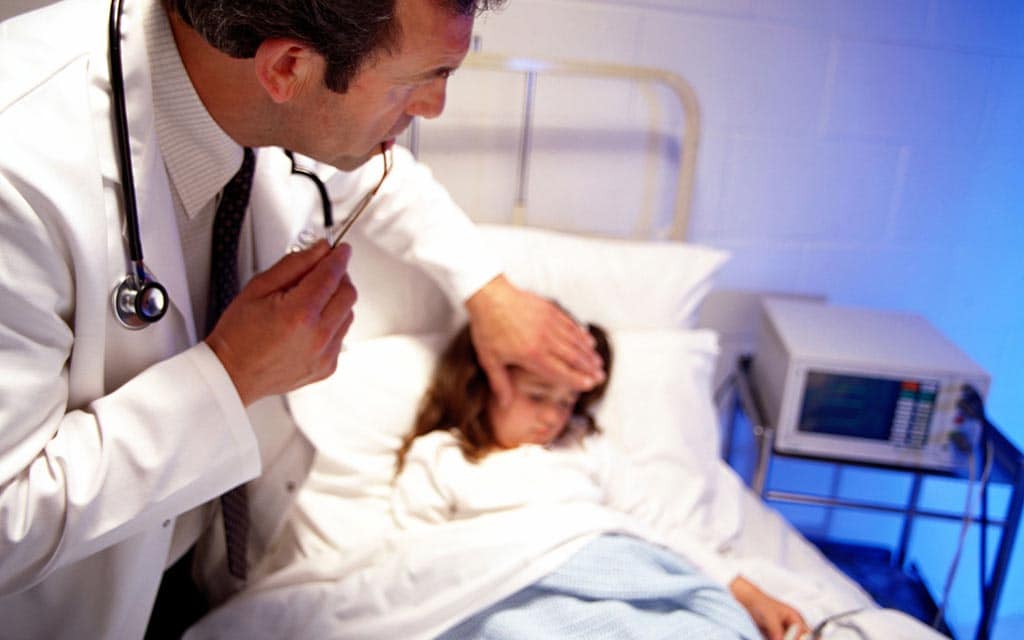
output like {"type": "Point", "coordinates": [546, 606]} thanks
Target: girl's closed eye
{"type": "Point", "coordinates": [563, 404]}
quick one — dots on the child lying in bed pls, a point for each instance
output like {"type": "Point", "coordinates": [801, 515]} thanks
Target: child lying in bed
{"type": "Point", "coordinates": [468, 456]}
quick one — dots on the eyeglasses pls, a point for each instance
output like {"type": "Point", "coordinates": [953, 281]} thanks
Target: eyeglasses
{"type": "Point", "coordinates": [386, 158]}
{"type": "Point", "coordinates": [332, 232]}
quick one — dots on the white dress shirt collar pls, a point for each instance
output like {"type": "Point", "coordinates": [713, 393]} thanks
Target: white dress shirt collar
{"type": "Point", "coordinates": [200, 157]}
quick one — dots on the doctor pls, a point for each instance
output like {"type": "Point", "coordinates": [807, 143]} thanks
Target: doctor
{"type": "Point", "coordinates": [113, 440]}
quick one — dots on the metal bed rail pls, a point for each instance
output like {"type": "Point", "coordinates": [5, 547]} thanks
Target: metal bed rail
{"type": "Point", "coordinates": [532, 68]}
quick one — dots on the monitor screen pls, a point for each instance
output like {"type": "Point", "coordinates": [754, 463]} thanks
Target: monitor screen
{"type": "Point", "coordinates": [854, 406]}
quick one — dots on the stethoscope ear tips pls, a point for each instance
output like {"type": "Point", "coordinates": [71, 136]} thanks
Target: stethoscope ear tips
{"type": "Point", "coordinates": [137, 305]}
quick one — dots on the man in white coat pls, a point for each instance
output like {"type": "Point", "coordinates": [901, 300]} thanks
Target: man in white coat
{"type": "Point", "coordinates": [114, 443]}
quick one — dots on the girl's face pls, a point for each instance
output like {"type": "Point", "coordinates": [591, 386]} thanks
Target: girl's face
{"type": "Point", "coordinates": [537, 413]}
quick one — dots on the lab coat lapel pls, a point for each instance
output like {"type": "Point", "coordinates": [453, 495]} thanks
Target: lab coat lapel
{"type": "Point", "coordinates": [164, 256]}
{"type": "Point", "coordinates": [279, 207]}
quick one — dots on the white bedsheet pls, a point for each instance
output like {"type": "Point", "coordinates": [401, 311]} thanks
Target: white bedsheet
{"type": "Point", "coordinates": [414, 584]}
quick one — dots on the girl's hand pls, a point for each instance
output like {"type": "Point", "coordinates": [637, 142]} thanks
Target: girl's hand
{"type": "Point", "coordinates": [773, 617]}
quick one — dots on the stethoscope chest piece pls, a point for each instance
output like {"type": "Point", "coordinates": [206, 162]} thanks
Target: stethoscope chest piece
{"type": "Point", "coordinates": [139, 302]}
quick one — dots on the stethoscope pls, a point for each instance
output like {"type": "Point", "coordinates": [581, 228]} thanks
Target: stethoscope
{"type": "Point", "coordinates": [139, 299]}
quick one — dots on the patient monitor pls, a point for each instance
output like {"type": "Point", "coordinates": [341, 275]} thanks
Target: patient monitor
{"type": "Point", "coordinates": [863, 385]}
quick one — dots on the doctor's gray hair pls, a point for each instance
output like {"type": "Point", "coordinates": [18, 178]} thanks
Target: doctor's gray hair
{"type": "Point", "coordinates": [345, 32]}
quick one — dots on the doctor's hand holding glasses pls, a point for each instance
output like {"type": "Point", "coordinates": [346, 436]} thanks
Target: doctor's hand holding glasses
{"type": "Point", "coordinates": [301, 305]}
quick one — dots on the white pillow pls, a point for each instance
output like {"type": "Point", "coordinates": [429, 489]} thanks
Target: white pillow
{"type": "Point", "coordinates": [356, 419]}
{"type": "Point", "coordinates": [621, 284]}
{"type": "Point", "coordinates": [394, 297]}
{"type": "Point", "coordinates": [658, 410]}
{"type": "Point", "coordinates": [658, 405]}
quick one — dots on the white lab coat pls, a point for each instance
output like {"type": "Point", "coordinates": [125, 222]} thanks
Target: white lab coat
{"type": "Point", "coordinates": [106, 435]}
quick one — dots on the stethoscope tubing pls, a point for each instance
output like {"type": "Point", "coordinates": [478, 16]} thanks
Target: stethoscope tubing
{"type": "Point", "coordinates": [131, 207]}
{"type": "Point", "coordinates": [325, 198]}
{"type": "Point", "coordinates": [138, 300]}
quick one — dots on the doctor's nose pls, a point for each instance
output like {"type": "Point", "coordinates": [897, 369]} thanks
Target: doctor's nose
{"type": "Point", "coordinates": [428, 100]}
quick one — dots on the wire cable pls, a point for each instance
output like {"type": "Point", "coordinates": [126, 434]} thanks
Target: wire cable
{"type": "Point", "coordinates": [964, 526]}
{"type": "Point", "coordinates": [834, 618]}
{"type": "Point", "coordinates": [972, 406]}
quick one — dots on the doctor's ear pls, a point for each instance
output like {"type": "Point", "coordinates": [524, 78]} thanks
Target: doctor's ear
{"type": "Point", "coordinates": [284, 66]}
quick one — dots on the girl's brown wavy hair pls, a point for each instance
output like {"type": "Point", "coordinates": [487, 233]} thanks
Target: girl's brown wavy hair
{"type": "Point", "coordinates": [459, 392]}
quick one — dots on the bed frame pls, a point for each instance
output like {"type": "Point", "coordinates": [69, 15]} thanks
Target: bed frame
{"type": "Point", "coordinates": [678, 156]}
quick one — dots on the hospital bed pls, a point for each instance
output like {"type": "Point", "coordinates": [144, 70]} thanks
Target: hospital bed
{"type": "Point", "coordinates": [610, 245]}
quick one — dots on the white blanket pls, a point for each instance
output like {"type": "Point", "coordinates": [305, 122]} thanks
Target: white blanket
{"type": "Point", "coordinates": [415, 584]}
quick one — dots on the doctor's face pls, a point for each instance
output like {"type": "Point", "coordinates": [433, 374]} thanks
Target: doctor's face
{"type": "Point", "coordinates": [537, 413]}
{"type": "Point", "coordinates": [345, 129]}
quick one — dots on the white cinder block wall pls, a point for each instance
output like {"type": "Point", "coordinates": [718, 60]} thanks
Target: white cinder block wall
{"type": "Point", "coordinates": [870, 150]}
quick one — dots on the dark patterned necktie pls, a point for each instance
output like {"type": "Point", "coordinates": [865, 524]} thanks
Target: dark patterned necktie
{"type": "Point", "coordinates": [227, 224]}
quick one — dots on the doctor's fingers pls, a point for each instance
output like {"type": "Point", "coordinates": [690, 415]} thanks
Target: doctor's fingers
{"type": "Point", "coordinates": [574, 344]}
{"type": "Point", "coordinates": [555, 365]}
{"type": "Point", "coordinates": [287, 271]}
{"type": "Point", "coordinates": [572, 362]}
{"type": "Point", "coordinates": [338, 308]}
{"type": "Point", "coordinates": [318, 287]}
{"type": "Point", "coordinates": [332, 322]}
{"type": "Point", "coordinates": [497, 376]}
{"type": "Point", "coordinates": [328, 359]}
{"type": "Point", "coordinates": [324, 328]}
{"type": "Point", "coordinates": [337, 317]}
